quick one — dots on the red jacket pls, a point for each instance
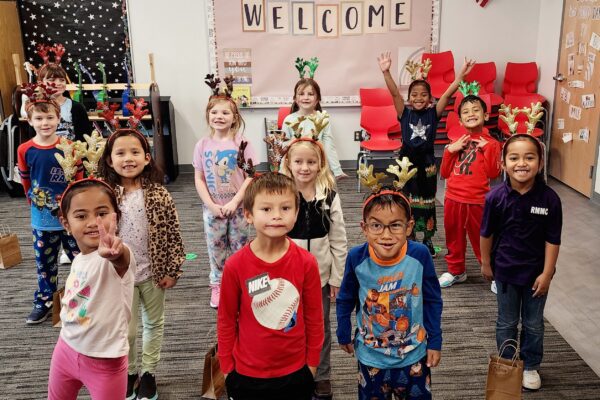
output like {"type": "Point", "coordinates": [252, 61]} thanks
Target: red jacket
{"type": "Point", "coordinates": [270, 318]}
{"type": "Point", "coordinates": [469, 171]}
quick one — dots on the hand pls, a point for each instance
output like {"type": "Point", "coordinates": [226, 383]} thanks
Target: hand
{"type": "Point", "coordinates": [486, 272]}
{"type": "Point", "coordinates": [348, 348]}
{"type": "Point", "coordinates": [541, 285]}
{"type": "Point", "coordinates": [433, 358]}
{"type": "Point", "coordinates": [385, 61]}
{"type": "Point", "coordinates": [215, 210]}
{"type": "Point", "coordinates": [333, 292]}
{"type": "Point", "coordinates": [460, 143]}
{"type": "Point", "coordinates": [481, 142]}
{"type": "Point", "coordinates": [110, 245]}
{"type": "Point", "coordinates": [466, 68]}
{"type": "Point", "coordinates": [225, 376]}
{"type": "Point", "coordinates": [313, 370]}
{"type": "Point", "coordinates": [167, 282]}
{"type": "Point", "coordinates": [229, 209]}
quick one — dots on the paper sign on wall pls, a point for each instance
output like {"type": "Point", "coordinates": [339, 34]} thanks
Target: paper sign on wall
{"type": "Point", "coordinates": [582, 48]}
{"type": "Point", "coordinates": [595, 41]}
{"type": "Point", "coordinates": [584, 135]}
{"type": "Point", "coordinates": [588, 100]}
{"type": "Point", "coordinates": [565, 95]}
{"type": "Point", "coordinates": [596, 13]}
{"type": "Point", "coordinates": [571, 64]}
{"type": "Point", "coordinates": [589, 69]}
{"type": "Point", "coordinates": [575, 112]}
{"type": "Point", "coordinates": [560, 123]}
{"type": "Point", "coordinates": [577, 84]}
{"type": "Point", "coordinates": [570, 40]}
{"type": "Point", "coordinates": [567, 137]}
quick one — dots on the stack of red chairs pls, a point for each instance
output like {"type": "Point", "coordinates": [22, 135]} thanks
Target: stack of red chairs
{"type": "Point", "coordinates": [520, 79]}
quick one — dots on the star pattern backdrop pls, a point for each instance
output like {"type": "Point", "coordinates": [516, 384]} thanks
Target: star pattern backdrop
{"type": "Point", "coordinates": [91, 31]}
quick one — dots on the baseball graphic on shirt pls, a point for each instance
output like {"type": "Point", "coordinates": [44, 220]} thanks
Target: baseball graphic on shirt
{"type": "Point", "coordinates": [276, 307]}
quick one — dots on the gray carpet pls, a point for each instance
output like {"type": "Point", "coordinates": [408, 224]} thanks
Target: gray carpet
{"type": "Point", "coordinates": [468, 323]}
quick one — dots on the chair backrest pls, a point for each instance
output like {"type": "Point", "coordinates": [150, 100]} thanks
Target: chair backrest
{"type": "Point", "coordinates": [442, 67]}
{"type": "Point", "coordinates": [485, 74]}
{"type": "Point", "coordinates": [520, 78]}
{"type": "Point", "coordinates": [283, 112]}
{"type": "Point", "coordinates": [452, 120]}
{"type": "Point", "coordinates": [377, 121]}
{"type": "Point", "coordinates": [375, 97]}
{"type": "Point", "coordinates": [520, 101]}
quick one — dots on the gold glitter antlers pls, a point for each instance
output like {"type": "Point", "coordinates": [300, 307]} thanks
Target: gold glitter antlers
{"type": "Point", "coordinates": [373, 181]}
{"type": "Point", "coordinates": [90, 152]}
{"type": "Point", "coordinates": [418, 70]}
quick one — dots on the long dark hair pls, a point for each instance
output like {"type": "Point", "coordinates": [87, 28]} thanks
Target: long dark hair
{"type": "Point", "coordinates": [301, 84]}
{"type": "Point", "coordinates": [151, 172]}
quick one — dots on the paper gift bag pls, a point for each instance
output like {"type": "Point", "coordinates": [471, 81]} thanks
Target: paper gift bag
{"type": "Point", "coordinates": [213, 380]}
{"type": "Point", "coordinates": [505, 376]}
{"type": "Point", "coordinates": [56, 307]}
{"type": "Point", "coordinates": [10, 252]}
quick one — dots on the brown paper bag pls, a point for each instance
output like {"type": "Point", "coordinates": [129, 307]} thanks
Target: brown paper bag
{"type": "Point", "coordinates": [505, 376]}
{"type": "Point", "coordinates": [213, 380]}
{"type": "Point", "coordinates": [10, 251]}
{"type": "Point", "coordinates": [56, 307]}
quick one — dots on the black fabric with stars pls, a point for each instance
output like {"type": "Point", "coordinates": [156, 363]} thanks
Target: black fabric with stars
{"type": "Point", "coordinates": [91, 31]}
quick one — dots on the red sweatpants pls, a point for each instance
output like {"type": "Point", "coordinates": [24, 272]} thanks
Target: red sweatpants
{"type": "Point", "coordinates": [460, 220]}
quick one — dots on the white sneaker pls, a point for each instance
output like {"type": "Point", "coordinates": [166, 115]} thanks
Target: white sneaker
{"type": "Point", "coordinates": [531, 380]}
{"type": "Point", "coordinates": [494, 288]}
{"type": "Point", "coordinates": [447, 279]}
{"type": "Point", "coordinates": [63, 258]}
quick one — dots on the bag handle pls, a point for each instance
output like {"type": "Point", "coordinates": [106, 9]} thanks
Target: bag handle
{"type": "Point", "coordinates": [508, 343]}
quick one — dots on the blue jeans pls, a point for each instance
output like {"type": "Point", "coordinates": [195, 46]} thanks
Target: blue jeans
{"type": "Point", "coordinates": [516, 303]}
{"type": "Point", "coordinates": [410, 382]}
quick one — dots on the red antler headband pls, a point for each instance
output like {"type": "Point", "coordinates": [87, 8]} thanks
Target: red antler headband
{"type": "Point", "coordinates": [44, 51]}
{"type": "Point", "coordinates": [39, 93]}
{"type": "Point", "coordinates": [137, 112]}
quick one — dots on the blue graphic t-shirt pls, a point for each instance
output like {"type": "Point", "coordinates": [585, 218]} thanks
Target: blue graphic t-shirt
{"type": "Point", "coordinates": [399, 306]}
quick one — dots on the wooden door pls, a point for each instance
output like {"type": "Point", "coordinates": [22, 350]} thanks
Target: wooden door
{"type": "Point", "coordinates": [577, 91]}
{"type": "Point", "coordinates": [10, 43]}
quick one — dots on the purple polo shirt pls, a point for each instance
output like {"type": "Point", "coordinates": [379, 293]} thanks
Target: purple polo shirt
{"type": "Point", "coordinates": [521, 225]}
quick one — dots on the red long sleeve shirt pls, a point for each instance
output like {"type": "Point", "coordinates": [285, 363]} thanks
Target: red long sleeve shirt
{"type": "Point", "coordinates": [270, 318]}
{"type": "Point", "coordinates": [469, 171]}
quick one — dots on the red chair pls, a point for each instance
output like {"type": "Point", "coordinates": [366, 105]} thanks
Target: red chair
{"type": "Point", "coordinates": [521, 79]}
{"type": "Point", "coordinates": [378, 97]}
{"type": "Point", "coordinates": [283, 112]}
{"type": "Point", "coordinates": [485, 74]}
{"type": "Point", "coordinates": [441, 74]}
{"type": "Point", "coordinates": [377, 121]}
{"type": "Point", "coordinates": [522, 101]}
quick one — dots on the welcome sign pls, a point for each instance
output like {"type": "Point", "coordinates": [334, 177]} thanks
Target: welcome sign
{"type": "Point", "coordinates": [325, 20]}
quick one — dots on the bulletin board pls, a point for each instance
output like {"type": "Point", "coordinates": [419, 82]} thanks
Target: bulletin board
{"type": "Point", "coordinates": [251, 44]}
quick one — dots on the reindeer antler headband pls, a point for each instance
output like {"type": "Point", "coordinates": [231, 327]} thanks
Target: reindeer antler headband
{"type": "Point", "coordinates": [245, 165]}
{"type": "Point", "coordinates": [89, 152]}
{"type": "Point", "coordinates": [372, 181]}
{"type": "Point", "coordinates": [214, 83]}
{"type": "Point", "coordinates": [44, 51]}
{"type": "Point", "coordinates": [320, 120]}
{"type": "Point", "coordinates": [312, 65]}
{"type": "Point", "coordinates": [469, 88]}
{"type": "Point", "coordinates": [39, 93]}
{"type": "Point", "coordinates": [418, 70]}
{"type": "Point", "coordinates": [137, 110]}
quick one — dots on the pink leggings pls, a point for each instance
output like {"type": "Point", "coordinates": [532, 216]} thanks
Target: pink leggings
{"type": "Point", "coordinates": [105, 378]}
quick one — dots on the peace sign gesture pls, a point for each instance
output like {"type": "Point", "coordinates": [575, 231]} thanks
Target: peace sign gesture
{"type": "Point", "coordinates": [110, 246]}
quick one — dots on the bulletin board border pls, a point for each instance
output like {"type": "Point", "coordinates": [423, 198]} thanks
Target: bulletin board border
{"type": "Point", "coordinates": [434, 44]}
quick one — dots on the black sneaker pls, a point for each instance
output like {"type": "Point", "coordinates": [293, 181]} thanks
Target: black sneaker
{"type": "Point", "coordinates": [38, 315]}
{"type": "Point", "coordinates": [323, 390]}
{"type": "Point", "coordinates": [429, 244]}
{"type": "Point", "coordinates": [147, 389]}
{"type": "Point", "coordinates": [133, 383]}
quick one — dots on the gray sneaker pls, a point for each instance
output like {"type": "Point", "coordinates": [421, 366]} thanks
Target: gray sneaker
{"type": "Point", "coordinates": [447, 279]}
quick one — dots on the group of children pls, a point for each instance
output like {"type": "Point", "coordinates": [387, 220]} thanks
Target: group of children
{"type": "Point", "coordinates": [274, 292]}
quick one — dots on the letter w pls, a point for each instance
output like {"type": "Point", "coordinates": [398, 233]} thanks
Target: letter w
{"type": "Point", "coordinates": [252, 17]}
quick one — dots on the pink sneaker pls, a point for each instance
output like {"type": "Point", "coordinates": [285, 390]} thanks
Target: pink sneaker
{"type": "Point", "coordinates": [215, 292]}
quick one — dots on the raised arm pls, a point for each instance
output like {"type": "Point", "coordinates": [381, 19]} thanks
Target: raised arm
{"type": "Point", "coordinates": [385, 62]}
{"type": "Point", "coordinates": [443, 101]}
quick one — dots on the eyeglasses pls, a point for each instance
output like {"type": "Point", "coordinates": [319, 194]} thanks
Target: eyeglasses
{"type": "Point", "coordinates": [377, 228]}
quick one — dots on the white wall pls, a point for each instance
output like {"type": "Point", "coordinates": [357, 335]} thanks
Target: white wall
{"type": "Point", "coordinates": [176, 32]}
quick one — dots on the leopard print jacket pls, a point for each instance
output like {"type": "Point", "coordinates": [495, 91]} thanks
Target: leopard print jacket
{"type": "Point", "coordinates": [165, 246]}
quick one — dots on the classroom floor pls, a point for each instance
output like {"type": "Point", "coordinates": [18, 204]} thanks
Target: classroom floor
{"type": "Point", "coordinates": [468, 317]}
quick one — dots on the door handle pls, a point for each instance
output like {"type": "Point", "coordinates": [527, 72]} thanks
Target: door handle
{"type": "Point", "coordinates": [559, 77]}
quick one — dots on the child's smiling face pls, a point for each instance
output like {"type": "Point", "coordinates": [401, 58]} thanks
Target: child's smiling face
{"type": "Point", "coordinates": [387, 228]}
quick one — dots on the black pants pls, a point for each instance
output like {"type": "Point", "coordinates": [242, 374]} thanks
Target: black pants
{"type": "Point", "coordinates": [298, 385]}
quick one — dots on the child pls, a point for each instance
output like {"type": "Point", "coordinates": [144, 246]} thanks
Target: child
{"type": "Point", "coordinates": [468, 164]}
{"type": "Point", "coordinates": [321, 230]}
{"type": "Point", "coordinates": [221, 186]}
{"type": "Point", "coordinates": [520, 238]}
{"type": "Point", "coordinates": [96, 307]}
{"type": "Point", "coordinates": [418, 120]}
{"type": "Point", "coordinates": [391, 283]}
{"type": "Point", "coordinates": [307, 101]}
{"type": "Point", "coordinates": [150, 227]}
{"type": "Point", "coordinates": [270, 320]}
{"type": "Point", "coordinates": [43, 181]}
